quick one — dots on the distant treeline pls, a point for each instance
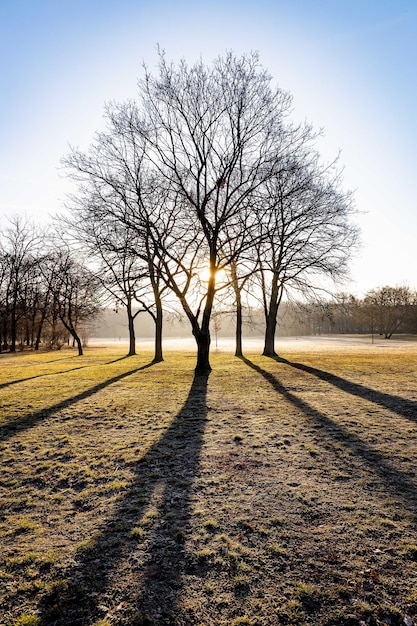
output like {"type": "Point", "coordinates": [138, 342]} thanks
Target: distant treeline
{"type": "Point", "coordinates": [47, 296]}
{"type": "Point", "coordinates": [385, 311]}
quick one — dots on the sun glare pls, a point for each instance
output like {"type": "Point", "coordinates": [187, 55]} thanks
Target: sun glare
{"type": "Point", "coordinates": [204, 275]}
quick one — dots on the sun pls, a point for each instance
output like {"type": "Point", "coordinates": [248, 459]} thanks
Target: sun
{"type": "Point", "coordinates": [204, 275]}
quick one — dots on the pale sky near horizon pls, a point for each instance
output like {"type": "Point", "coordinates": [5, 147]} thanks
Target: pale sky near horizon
{"type": "Point", "coordinates": [349, 64]}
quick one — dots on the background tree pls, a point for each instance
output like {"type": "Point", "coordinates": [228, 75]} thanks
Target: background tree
{"type": "Point", "coordinates": [20, 242]}
{"type": "Point", "coordinates": [75, 292]}
{"type": "Point", "coordinates": [391, 309]}
{"type": "Point", "coordinates": [345, 313]}
{"type": "Point", "coordinates": [4, 267]}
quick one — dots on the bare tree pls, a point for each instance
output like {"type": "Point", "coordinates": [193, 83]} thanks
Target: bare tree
{"type": "Point", "coordinates": [215, 135]}
{"type": "Point", "coordinates": [112, 252]}
{"type": "Point", "coordinates": [241, 274]}
{"type": "Point", "coordinates": [3, 299]}
{"type": "Point", "coordinates": [20, 241]}
{"type": "Point", "coordinates": [307, 235]}
{"type": "Point", "coordinates": [389, 309]}
{"type": "Point", "coordinates": [24, 294]}
{"type": "Point", "coordinates": [110, 216]}
{"type": "Point", "coordinates": [75, 292]}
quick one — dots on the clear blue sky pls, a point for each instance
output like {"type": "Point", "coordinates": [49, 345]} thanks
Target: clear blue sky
{"type": "Point", "coordinates": [351, 66]}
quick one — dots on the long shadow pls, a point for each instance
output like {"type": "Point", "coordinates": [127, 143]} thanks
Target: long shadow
{"type": "Point", "coordinates": [396, 404]}
{"type": "Point", "coordinates": [18, 355]}
{"type": "Point", "coordinates": [23, 380]}
{"type": "Point", "coordinates": [396, 481]}
{"type": "Point", "coordinates": [10, 428]}
{"type": "Point", "coordinates": [156, 561]}
{"type": "Point", "coordinates": [62, 358]}
{"type": "Point", "coordinates": [121, 358]}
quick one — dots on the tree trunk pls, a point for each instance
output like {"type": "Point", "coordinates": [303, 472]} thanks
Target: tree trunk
{"type": "Point", "coordinates": [40, 328]}
{"type": "Point", "coordinates": [202, 336]}
{"type": "Point", "coordinates": [76, 339]}
{"type": "Point", "coordinates": [237, 290]}
{"type": "Point", "coordinates": [158, 357]}
{"type": "Point", "coordinates": [28, 334]}
{"type": "Point", "coordinates": [13, 331]}
{"type": "Point", "coordinates": [238, 351]}
{"type": "Point", "coordinates": [271, 318]}
{"type": "Point", "coordinates": [71, 329]}
{"type": "Point", "coordinates": [132, 337]}
{"type": "Point", "coordinates": [79, 344]}
{"type": "Point", "coordinates": [5, 331]}
{"type": "Point", "coordinates": [269, 345]}
{"type": "Point", "coordinates": [203, 353]}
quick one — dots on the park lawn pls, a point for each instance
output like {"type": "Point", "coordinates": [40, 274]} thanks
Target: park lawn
{"type": "Point", "coordinates": [273, 492]}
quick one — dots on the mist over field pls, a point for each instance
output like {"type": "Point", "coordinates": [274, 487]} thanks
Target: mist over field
{"type": "Point", "coordinates": [283, 344]}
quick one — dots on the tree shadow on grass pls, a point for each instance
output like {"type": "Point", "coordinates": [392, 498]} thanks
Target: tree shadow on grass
{"type": "Point", "coordinates": [398, 482]}
{"type": "Point", "coordinates": [61, 358]}
{"type": "Point", "coordinates": [17, 355]}
{"type": "Point", "coordinates": [121, 358]}
{"type": "Point", "coordinates": [23, 380]}
{"type": "Point", "coordinates": [137, 558]}
{"type": "Point", "coordinates": [13, 426]}
{"type": "Point", "coordinates": [396, 404]}
{"type": "Point", "coordinates": [72, 369]}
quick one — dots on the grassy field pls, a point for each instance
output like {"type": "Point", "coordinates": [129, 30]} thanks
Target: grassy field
{"type": "Point", "coordinates": [273, 492]}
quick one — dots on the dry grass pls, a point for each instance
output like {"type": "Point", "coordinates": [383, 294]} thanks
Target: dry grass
{"type": "Point", "coordinates": [275, 492]}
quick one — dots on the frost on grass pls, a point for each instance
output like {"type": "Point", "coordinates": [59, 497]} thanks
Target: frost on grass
{"type": "Point", "coordinates": [277, 493]}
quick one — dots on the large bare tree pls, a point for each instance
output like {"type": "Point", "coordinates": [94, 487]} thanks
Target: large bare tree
{"type": "Point", "coordinates": [215, 135]}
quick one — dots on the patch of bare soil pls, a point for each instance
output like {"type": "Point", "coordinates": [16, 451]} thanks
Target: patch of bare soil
{"type": "Point", "coordinates": [273, 492]}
